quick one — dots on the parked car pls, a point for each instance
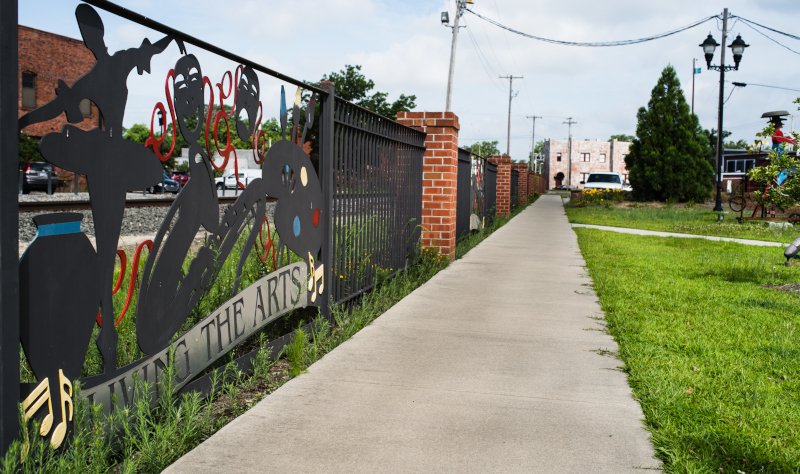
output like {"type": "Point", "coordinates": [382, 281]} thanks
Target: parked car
{"type": "Point", "coordinates": [182, 177]}
{"type": "Point", "coordinates": [167, 184]}
{"type": "Point", "coordinates": [563, 187]}
{"type": "Point", "coordinates": [229, 182]}
{"type": "Point", "coordinates": [603, 180]}
{"type": "Point", "coordinates": [34, 176]}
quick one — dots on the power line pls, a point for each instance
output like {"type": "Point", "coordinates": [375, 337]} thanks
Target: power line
{"type": "Point", "coordinates": [530, 102]}
{"type": "Point", "coordinates": [762, 85]}
{"type": "Point", "coordinates": [595, 44]}
{"type": "Point", "coordinates": [771, 39]}
{"type": "Point", "coordinates": [762, 26]}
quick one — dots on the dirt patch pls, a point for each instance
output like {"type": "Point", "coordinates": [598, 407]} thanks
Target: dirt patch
{"type": "Point", "coordinates": [789, 287]}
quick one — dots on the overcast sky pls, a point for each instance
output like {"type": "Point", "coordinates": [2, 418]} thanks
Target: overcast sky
{"type": "Point", "coordinates": [403, 47]}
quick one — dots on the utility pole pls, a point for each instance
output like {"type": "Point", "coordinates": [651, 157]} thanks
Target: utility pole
{"type": "Point", "coordinates": [460, 5]}
{"type": "Point", "coordinates": [533, 134]}
{"type": "Point", "coordinates": [510, 82]}
{"type": "Point", "coordinates": [569, 122]}
{"type": "Point", "coordinates": [694, 70]}
{"type": "Point", "coordinates": [718, 205]}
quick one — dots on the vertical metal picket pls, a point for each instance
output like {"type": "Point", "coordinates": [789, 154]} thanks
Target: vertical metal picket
{"type": "Point", "coordinates": [9, 226]}
{"type": "Point", "coordinates": [326, 170]}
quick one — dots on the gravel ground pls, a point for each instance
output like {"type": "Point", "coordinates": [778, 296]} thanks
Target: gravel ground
{"type": "Point", "coordinates": [137, 221]}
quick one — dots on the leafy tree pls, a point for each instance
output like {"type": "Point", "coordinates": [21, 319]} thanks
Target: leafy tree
{"type": "Point", "coordinates": [484, 148]}
{"type": "Point", "coordinates": [622, 138]}
{"type": "Point", "coordinates": [711, 135]}
{"type": "Point", "coordinates": [736, 145]}
{"type": "Point", "coordinates": [353, 86]}
{"type": "Point", "coordinates": [670, 157]}
{"type": "Point", "coordinates": [29, 149]}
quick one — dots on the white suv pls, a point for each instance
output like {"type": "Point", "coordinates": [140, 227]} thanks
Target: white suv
{"type": "Point", "coordinates": [603, 180]}
{"type": "Point", "coordinates": [245, 176]}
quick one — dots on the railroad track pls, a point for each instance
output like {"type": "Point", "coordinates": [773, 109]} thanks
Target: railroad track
{"type": "Point", "coordinates": [38, 206]}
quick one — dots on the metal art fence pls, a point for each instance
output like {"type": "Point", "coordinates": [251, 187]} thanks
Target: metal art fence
{"type": "Point", "coordinates": [465, 197]}
{"type": "Point", "coordinates": [329, 239]}
{"type": "Point", "coordinates": [377, 198]}
{"type": "Point", "coordinates": [513, 198]}
{"type": "Point", "coordinates": [490, 192]}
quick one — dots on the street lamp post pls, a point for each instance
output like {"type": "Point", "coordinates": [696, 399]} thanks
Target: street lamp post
{"type": "Point", "coordinates": [737, 47]}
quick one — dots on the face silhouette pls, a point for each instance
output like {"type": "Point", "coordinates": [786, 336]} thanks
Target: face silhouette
{"type": "Point", "coordinates": [189, 97]}
{"type": "Point", "coordinates": [247, 99]}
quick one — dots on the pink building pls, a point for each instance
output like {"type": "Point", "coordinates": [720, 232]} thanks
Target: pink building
{"type": "Point", "coordinates": [587, 156]}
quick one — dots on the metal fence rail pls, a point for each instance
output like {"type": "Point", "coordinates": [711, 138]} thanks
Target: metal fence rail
{"type": "Point", "coordinates": [513, 197]}
{"type": "Point", "coordinates": [377, 191]}
{"type": "Point", "coordinates": [490, 192]}
{"type": "Point", "coordinates": [464, 198]}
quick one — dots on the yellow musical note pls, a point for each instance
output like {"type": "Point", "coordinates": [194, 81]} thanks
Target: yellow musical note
{"type": "Point", "coordinates": [315, 275]}
{"type": "Point", "coordinates": [39, 396]}
{"type": "Point", "coordinates": [36, 396]}
{"type": "Point", "coordinates": [61, 430]}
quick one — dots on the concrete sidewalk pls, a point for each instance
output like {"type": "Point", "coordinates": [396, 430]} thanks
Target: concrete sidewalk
{"type": "Point", "coordinates": [628, 230]}
{"type": "Point", "coordinates": [491, 366]}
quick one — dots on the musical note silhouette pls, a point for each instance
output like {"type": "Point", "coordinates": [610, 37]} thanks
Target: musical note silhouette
{"type": "Point", "coordinates": [316, 274]}
{"type": "Point", "coordinates": [37, 399]}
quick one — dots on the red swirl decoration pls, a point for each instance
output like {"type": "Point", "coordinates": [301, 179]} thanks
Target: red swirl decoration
{"type": "Point", "coordinates": [221, 114]}
{"type": "Point", "coordinates": [154, 142]}
{"type": "Point", "coordinates": [134, 275]}
{"type": "Point", "coordinates": [266, 246]}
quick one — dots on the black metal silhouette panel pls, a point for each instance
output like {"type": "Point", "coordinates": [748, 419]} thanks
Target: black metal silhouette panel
{"type": "Point", "coordinates": [65, 280]}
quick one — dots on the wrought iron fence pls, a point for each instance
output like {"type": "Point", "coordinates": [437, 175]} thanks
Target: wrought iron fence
{"type": "Point", "coordinates": [513, 198]}
{"type": "Point", "coordinates": [465, 194]}
{"type": "Point", "coordinates": [490, 192]}
{"type": "Point", "coordinates": [332, 235]}
{"type": "Point", "coordinates": [377, 209]}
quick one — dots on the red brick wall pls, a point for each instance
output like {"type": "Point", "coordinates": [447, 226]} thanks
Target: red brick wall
{"type": "Point", "coordinates": [440, 172]}
{"type": "Point", "coordinates": [522, 184]}
{"type": "Point", "coordinates": [52, 57]}
{"type": "Point", "coordinates": [503, 203]}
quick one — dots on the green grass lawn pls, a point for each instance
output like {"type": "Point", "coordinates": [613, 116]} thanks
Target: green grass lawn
{"type": "Point", "coordinates": [712, 355]}
{"type": "Point", "coordinates": [687, 220]}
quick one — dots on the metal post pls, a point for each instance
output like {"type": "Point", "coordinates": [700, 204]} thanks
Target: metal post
{"type": "Point", "coordinates": [49, 184]}
{"type": "Point", "coordinates": [9, 226]}
{"type": "Point", "coordinates": [326, 178]}
{"type": "Point", "coordinates": [569, 122]}
{"type": "Point", "coordinates": [75, 183]}
{"type": "Point", "coordinates": [533, 142]}
{"type": "Point", "coordinates": [459, 9]}
{"type": "Point", "coordinates": [21, 181]}
{"type": "Point", "coordinates": [510, 82]}
{"type": "Point", "coordinates": [718, 205]}
{"type": "Point", "coordinates": [694, 69]}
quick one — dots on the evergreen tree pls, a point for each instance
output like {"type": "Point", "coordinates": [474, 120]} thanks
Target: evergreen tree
{"type": "Point", "coordinates": [670, 157]}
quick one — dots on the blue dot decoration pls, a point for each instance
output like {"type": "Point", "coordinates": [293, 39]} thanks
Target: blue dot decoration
{"type": "Point", "coordinates": [296, 226]}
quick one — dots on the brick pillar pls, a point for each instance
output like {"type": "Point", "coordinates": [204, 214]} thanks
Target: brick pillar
{"type": "Point", "coordinates": [503, 203]}
{"type": "Point", "coordinates": [522, 188]}
{"type": "Point", "coordinates": [440, 172]}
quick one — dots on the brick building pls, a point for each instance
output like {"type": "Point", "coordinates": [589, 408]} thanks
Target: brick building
{"type": "Point", "coordinates": [44, 59]}
{"type": "Point", "coordinates": [587, 156]}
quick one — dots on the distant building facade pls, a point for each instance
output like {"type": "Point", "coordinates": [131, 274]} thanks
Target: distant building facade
{"type": "Point", "coordinates": [44, 59]}
{"type": "Point", "coordinates": [587, 156]}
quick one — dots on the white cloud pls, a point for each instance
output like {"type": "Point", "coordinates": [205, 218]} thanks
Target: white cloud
{"type": "Point", "coordinates": [404, 49]}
